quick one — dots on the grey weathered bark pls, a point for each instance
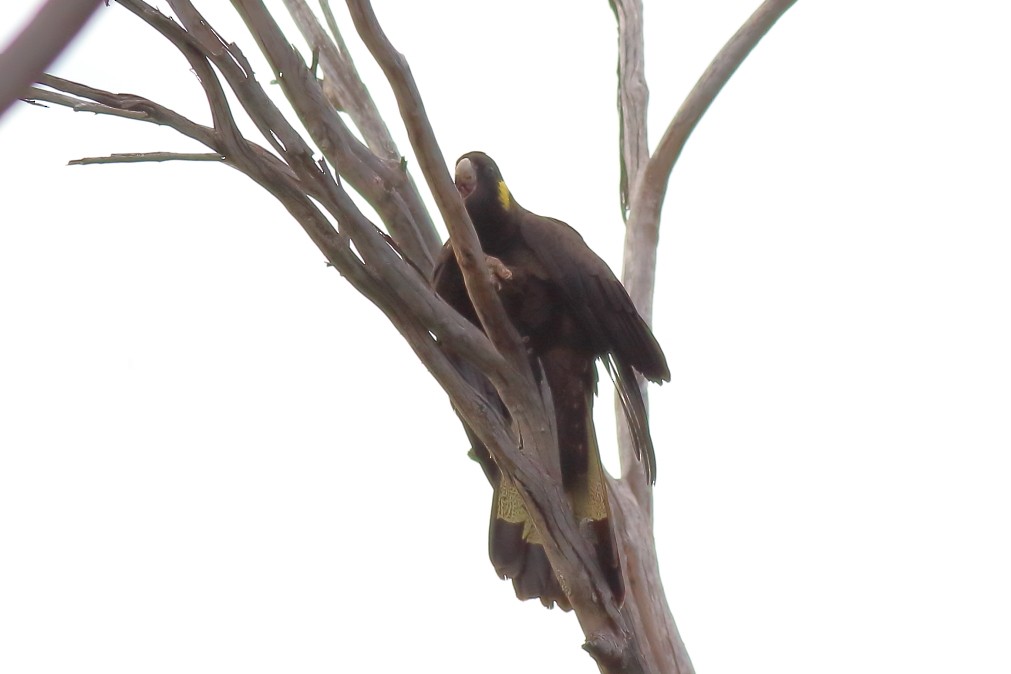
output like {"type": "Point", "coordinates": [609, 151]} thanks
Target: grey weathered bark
{"type": "Point", "coordinates": [392, 271]}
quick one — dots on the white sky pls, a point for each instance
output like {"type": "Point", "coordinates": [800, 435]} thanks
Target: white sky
{"type": "Point", "coordinates": [216, 457]}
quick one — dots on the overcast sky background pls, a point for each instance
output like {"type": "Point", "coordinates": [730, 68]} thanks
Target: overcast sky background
{"type": "Point", "coordinates": [216, 457]}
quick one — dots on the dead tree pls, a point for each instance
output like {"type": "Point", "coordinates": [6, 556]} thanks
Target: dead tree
{"type": "Point", "coordinates": [311, 177]}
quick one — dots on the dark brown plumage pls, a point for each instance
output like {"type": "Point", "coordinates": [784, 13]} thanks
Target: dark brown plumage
{"type": "Point", "coordinates": [571, 309]}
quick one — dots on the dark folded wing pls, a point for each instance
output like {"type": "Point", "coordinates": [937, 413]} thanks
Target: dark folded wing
{"type": "Point", "coordinates": [595, 296]}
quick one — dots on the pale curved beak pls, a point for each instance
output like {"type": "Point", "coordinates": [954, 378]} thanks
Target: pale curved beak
{"type": "Point", "coordinates": [466, 177]}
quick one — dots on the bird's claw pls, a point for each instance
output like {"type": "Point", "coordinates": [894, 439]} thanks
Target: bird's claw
{"type": "Point", "coordinates": [499, 272]}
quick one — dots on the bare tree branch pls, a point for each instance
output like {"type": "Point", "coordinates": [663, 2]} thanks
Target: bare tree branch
{"type": "Point", "coordinates": [643, 227]}
{"type": "Point", "coordinates": [339, 68]}
{"type": "Point", "coordinates": [121, 105]}
{"type": "Point", "coordinates": [633, 97]}
{"type": "Point", "coordinates": [137, 157]}
{"type": "Point", "coordinates": [343, 84]}
{"type": "Point", "coordinates": [433, 166]}
{"type": "Point", "coordinates": [646, 604]}
{"type": "Point", "coordinates": [79, 105]}
{"type": "Point", "coordinates": [355, 162]}
{"type": "Point", "coordinates": [54, 26]}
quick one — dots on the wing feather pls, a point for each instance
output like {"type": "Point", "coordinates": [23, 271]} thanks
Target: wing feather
{"type": "Point", "coordinates": [595, 295]}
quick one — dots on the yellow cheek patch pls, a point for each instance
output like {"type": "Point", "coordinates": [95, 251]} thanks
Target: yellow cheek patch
{"type": "Point", "coordinates": [503, 195]}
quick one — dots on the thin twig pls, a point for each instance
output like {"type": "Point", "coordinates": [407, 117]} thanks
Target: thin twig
{"type": "Point", "coordinates": [137, 157]}
{"type": "Point", "coordinates": [121, 105]}
{"type": "Point", "coordinates": [433, 165]}
{"type": "Point", "coordinates": [80, 105]}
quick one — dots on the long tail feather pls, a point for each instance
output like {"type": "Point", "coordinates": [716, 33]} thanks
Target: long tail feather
{"type": "Point", "coordinates": [627, 385]}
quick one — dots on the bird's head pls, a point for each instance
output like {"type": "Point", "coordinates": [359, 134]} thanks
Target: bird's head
{"type": "Point", "coordinates": [481, 185]}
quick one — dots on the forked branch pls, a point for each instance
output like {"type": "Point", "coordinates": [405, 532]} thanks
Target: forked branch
{"type": "Point", "coordinates": [649, 186]}
{"type": "Point", "coordinates": [643, 227]}
{"type": "Point", "coordinates": [647, 178]}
